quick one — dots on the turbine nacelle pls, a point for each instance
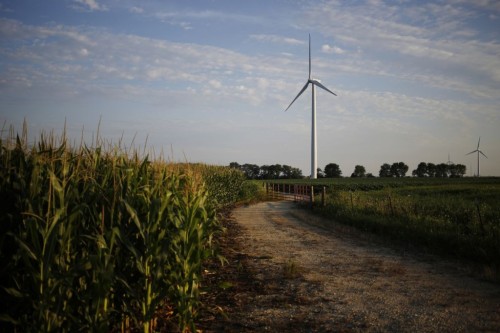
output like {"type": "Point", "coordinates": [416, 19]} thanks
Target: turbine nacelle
{"type": "Point", "coordinates": [477, 151]}
{"type": "Point", "coordinates": [314, 82]}
{"type": "Point", "coordinates": [319, 84]}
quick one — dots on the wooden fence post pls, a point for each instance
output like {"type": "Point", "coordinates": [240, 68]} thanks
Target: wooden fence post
{"type": "Point", "coordinates": [323, 197]}
{"type": "Point", "coordinates": [312, 196]}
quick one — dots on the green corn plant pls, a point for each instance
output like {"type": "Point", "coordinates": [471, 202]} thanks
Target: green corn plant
{"type": "Point", "coordinates": [42, 242]}
{"type": "Point", "coordinates": [12, 191]}
{"type": "Point", "coordinates": [194, 222]}
{"type": "Point", "coordinates": [149, 250]}
{"type": "Point", "coordinates": [95, 240]}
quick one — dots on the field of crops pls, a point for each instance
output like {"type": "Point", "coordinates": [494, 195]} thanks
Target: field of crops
{"type": "Point", "coordinates": [377, 183]}
{"type": "Point", "coordinates": [97, 239]}
{"type": "Point", "coordinates": [458, 217]}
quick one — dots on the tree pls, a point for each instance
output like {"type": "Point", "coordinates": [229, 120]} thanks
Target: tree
{"type": "Point", "coordinates": [459, 170]}
{"type": "Point", "coordinates": [332, 170]}
{"type": "Point", "coordinates": [296, 173]}
{"type": "Point", "coordinates": [421, 170]}
{"type": "Point", "coordinates": [359, 171]}
{"type": "Point", "coordinates": [289, 172]}
{"type": "Point", "coordinates": [251, 171]}
{"type": "Point", "coordinates": [320, 173]}
{"type": "Point", "coordinates": [398, 169]}
{"type": "Point", "coordinates": [268, 172]}
{"type": "Point", "coordinates": [275, 171]}
{"type": "Point", "coordinates": [285, 171]}
{"type": "Point", "coordinates": [442, 170]}
{"type": "Point", "coordinates": [431, 170]}
{"type": "Point", "coordinates": [385, 170]}
{"type": "Point", "coordinates": [264, 172]}
{"type": "Point", "coordinates": [234, 165]}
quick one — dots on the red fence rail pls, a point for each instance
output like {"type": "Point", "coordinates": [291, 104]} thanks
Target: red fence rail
{"type": "Point", "coordinates": [295, 192]}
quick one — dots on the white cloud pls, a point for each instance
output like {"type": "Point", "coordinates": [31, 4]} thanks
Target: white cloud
{"type": "Point", "coordinates": [490, 5]}
{"type": "Point", "coordinates": [215, 84]}
{"type": "Point", "coordinates": [277, 39]}
{"type": "Point", "coordinates": [111, 57]}
{"type": "Point", "coordinates": [187, 18]}
{"type": "Point", "coordinates": [424, 43]}
{"type": "Point", "coordinates": [91, 5]}
{"type": "Point", "coordinates": [136, 10]}
{"type": "Point", "coordinates": [331, 49]}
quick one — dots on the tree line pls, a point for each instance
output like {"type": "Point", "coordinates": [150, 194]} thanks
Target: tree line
{"type": "Point", "coordinates": [442, 170]}
{"type": "Point", "coordinates": [275, 171]}
{"type": "Point", "coordinates": [332, 170]}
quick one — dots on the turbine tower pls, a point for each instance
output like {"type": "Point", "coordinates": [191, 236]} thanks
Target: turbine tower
{"type": "Point", "coordinates": [313, 82]}
{"type": "Point", "coordinates": [478, 152]}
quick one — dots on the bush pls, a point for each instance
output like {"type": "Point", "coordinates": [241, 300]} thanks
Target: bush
{"type": "Point", "coordinates": [251, 191]}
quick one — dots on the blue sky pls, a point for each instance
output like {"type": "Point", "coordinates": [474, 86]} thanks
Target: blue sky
{"type": "Point", "coordinates": [208, 81]}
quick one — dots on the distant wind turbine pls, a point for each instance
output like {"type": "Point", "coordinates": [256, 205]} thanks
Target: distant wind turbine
{"type": "Point", "coordinates": [313, 82]}
{"type": "Point", "coordinates": [449, 162]}
{"type": "Point", "coordinates": [478, 152]}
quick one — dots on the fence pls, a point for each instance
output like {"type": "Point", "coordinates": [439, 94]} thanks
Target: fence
{"type": "Point", "coordinates": [295, 192]}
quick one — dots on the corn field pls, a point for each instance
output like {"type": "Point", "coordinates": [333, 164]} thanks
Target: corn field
{"type": "Point", "coordinates": [95, 239]}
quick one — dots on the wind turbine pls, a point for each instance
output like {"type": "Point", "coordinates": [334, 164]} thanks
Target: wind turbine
{"type": "Point", "coordinates": [478, 152]}
{"type": "Point", "coordinates": [313, 82]}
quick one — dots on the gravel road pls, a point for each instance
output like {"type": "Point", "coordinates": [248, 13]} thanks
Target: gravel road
{"type": "Point", "coordinates": [300, 273]}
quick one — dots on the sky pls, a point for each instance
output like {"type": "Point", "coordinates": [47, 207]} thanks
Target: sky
{"type": "Point", "coordinates": [209, 81]}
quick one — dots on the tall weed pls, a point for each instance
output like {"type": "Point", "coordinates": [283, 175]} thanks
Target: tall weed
{"type": "Point", "coordinates": [457, 219]}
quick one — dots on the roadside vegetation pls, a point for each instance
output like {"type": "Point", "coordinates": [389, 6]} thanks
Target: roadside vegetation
{"type": "Point", "coordinates": [252, 191]}
{"type": "Point", "coordinates": [456, 217]}
{"type": "Point", "coordinates": [100, 239]}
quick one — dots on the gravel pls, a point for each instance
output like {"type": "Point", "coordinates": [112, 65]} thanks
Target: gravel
{"type": "Point", "coordinates": [295, 272]}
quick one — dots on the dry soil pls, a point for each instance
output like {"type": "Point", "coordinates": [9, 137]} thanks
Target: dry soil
{"type": "Point", "coordinates": [291, 271]}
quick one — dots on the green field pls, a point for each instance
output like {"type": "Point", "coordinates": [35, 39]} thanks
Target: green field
{"type": "Point", "coordinates": [456, 217]}
{"type": "Point", "coordinates": [393, 182]}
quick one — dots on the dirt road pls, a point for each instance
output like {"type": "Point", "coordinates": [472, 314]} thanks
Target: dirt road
{"type": "Point", "coordinates": [293, 274]}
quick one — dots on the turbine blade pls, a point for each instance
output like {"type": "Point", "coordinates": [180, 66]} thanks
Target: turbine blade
{"type": "Point", "coordinates": [471, 152]}
{"type": "Point", "coordinates": [309, 56]}
{"type": "Point", "coordinates": [319, 84]}
{"type": "Point", "coordinates": [478, 142]}
{"type": "Point", "coordinates": [300, 93]}
{"type": "Point", "coordinates": [483, 154]}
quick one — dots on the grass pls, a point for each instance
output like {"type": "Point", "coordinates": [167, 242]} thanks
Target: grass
{"type": "Point", "coordinates": [251, 191]}
{"type": "Point", "coordinates": [291, 269]}
{"type": "Point", "coordinates": [459, 218]}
